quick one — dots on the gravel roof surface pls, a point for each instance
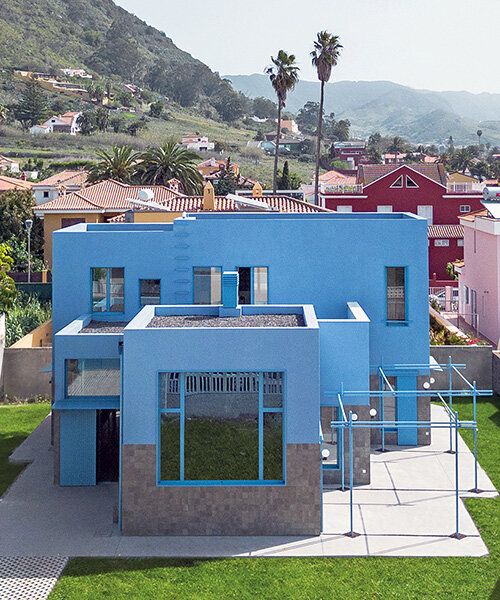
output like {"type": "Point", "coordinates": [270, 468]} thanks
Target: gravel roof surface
{"type": "Point", "coordinates": [215, 321]}
{"type": "Point", "coordinates": [104, 327]}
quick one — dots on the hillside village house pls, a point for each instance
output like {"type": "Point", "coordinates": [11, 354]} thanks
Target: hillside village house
{"type": "Point", "coordinates": [8, 164]}
{"type": "Point", "coordinates": [61, 183]}
{"type": "Point", "coordinates": [211, 168]}
{"type": "Point", "coordinates": [196, 142]}
{"type": "Point", "coordinates": [66, 123]}
{"type": "Point", "coordinates": [421, 189]}
{"type": "Point", "coordinates": [194, 361]}
{"type": "Point", "coordinates": [351, 151]}
{"type": "Point", "coordinates": [290, 125]}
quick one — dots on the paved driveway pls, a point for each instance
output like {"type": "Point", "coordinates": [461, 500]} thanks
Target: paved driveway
{"type": "Point", "coordinates": [408, 510]}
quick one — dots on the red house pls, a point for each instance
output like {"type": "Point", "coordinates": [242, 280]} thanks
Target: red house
{"type": "Point", "coordinates": [421, 189]}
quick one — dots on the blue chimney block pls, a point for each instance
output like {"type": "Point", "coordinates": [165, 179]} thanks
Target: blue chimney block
{"type": "Point", "coordinates": [230, 306]}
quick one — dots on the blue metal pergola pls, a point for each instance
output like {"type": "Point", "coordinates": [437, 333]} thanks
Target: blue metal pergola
{"type": "Point", "coordinates": [350, 422]}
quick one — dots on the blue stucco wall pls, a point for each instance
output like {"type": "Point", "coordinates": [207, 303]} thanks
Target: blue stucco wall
{"type": "Point", "coordinates": [318, 259]}
{"type": "Point", "coordinates": [77, 447]}
{"type": "Point", "coordinates": [294, 350]}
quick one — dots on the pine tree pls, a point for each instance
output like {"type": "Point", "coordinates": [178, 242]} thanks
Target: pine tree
{"type": "Point", "coordinates": [33, 106]}
{"type": "Point", "coordinates": [228, 182]}
{"type": "Point", "coordinates": [284, 181]}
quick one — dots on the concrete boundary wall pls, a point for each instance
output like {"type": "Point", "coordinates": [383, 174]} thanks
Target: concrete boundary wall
{"type": "Point", "coordinates": [479, 361]}
{"type": "Point", "coordinates": [21, 377]}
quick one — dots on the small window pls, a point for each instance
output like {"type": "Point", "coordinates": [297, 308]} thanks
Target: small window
{"type": "Point", "coordinates": [442, 243]}
{"type": "Point", "coordinates": [467, 300]}
{"type": "Point", "coordinates": [92, 377]}
{"type": "Point", "coordinates": [465, 208]}
{"type": "Point", "coordinates": [344, 208]}
{"type": "Point", "coordinates": [70, 221]}
{"type": "Point", "coordinates": [398, 183]}
{"type": "Point", "coordinates": [46, 194]}
{"type": "Point", "coordinates": [149, 291]}
{"type": "Point", "coordinates": [396, 296]}
{"type": "Point", "coordinates": [460, 243]}
{"type": "Point", "coordinates": [410, 183]}
{"type": "Point", "coordinates": [108, 287]}
{"type": "Point", "coordinates": [252, 286]}
{"type": "Point", "coordinates": [207, 285]}
{"type": "Point", "coordinates": [384, 208]}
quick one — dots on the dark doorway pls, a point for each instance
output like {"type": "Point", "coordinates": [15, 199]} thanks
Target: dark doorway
{"type": "Point", "coordinates": [245, 285]}
{"type": "Point", "coordinates": [107, 445]}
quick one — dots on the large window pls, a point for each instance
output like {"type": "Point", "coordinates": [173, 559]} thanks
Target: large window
{"type": "Point", "coordinates": [149, 290]}
{"type": "Point", "coordinates": [207, 285]}
{"type": "Point", "coordinates": [396, 293]}
{"type": "Point", "coordinates": [108, 290]}
{"type": "Point", "coordinates": [221, 427]}
{"type": "Point", "coordinates": [330, 459]}
{"type": "Point", "coordinates": [93, 377]}
{"type": "Point", "coordinates": [253, 285]}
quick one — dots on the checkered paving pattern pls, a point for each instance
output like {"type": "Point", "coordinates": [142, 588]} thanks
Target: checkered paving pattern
{"type": "Point", "coordinates": [29, 577]}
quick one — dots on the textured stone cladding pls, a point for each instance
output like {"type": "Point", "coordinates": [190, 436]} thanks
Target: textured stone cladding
{"type": "Point", "coordinates": [291, 509]}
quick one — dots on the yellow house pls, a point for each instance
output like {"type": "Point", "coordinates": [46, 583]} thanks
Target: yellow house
{"type": "Point", "coordinates": [456, 177]}
{"type": "Point", "coordinates": [96, 203]}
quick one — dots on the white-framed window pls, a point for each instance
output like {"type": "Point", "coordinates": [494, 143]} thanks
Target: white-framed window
{"type": "Point", "coordinates": [344, 208]}
{"type": "Point", "coordinates": [467, 300]}
{"type": "Point", "coordinates": [386, 208]}
{"type": "Point", "coordinates": [465, 208]}
{"type": "Point", "coordinates": [398, 183]}
{"type": "Point", "coordinates": [410, 183]}
{"type": "Point", "coordinates": [460, 243]}
{"type": "Point", "coordinates": [442, 243]}
{"type": "Point", "coordinates": [425, 211]}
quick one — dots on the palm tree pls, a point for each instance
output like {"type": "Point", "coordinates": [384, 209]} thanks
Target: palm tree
{"type": "Point", "coordinates": [479, 133]}
{"type": "Point", "coordinates": [284, 74]}
{"type": "Point", "coordinates": [462, 160]}
{"type": "Point", "coordinates": [158, 165]}
{"type": "Point", "coordinates": [120, 164]}
{"type": "Point", "coordinates": [397, 147]}
{"type": "Point", "coordinates": [325, 55]}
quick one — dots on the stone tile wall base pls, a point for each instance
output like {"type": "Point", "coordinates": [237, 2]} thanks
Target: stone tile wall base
{"type": "Point", "coordinates": [292, 509]}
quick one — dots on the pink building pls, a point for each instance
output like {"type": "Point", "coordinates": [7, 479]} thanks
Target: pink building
{"type": "Point", "coordinates": [479, 277]}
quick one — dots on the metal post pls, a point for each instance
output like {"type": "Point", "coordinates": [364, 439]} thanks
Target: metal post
{"type": "Point", "coordinates": [381, 411]}
{"type": "Point", "coordinates": [342, 455]}
{"type": "Point", "coordinates": [29, 224]}
{"type": "Point", "coordinates": [476, 489]}
{"type": "Point", "coordinates": [457, 534]}
{"type": "Point", "coordinates": [450, 402]}
{"type": "Point", "coordinates": [351, 533]}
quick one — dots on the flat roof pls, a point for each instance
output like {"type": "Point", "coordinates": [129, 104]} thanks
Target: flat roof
{"type": "Point", "coordinates": [204, 320]}
{"type": "Point", "coordinates": [104, 327]}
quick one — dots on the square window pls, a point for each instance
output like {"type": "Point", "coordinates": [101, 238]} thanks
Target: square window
{"type": "Point", "coordinates": [441, 243]}
{"type": "Point", "coordinates": [108, 288]}
{"type": "Point", "coordinates": [149, 291]}
{"type": "Point", "coordinates": [464, 208]}
{"type": "Point", "coordinates": [460, 243]}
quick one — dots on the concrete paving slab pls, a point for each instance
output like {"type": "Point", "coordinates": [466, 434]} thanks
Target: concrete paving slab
{"type": "Point", "coordinates": [407, 510]}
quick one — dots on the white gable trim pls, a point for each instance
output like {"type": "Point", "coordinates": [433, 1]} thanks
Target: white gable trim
{"type": "Point", "coordinates": [402, 167]}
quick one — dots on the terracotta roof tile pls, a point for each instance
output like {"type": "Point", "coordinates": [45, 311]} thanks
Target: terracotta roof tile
{"type": "Point", "coordinates": [11, 183]}
{"type": "Point", "coordinates": [64, 178]}
{"type": "Point", "coordinates": [369, 173]}
{"type": "Point", "coordinates": [445, 231]}
{"type": "Point", "coordinates": [106, 196]}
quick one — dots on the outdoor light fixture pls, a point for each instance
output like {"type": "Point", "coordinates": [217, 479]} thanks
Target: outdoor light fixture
{"type": "Point", "coordinates": [325, 453]}
{"type": "Point", "coordinates": [426, 385]}
{"type": "Point", "coordinates": [432, 380]}
{"type": "Point", "coordinates": [29, 224]}
{"type": "Point", "coordinates": [373, 412]}
{"type": "Point", "coordinates": [354, 417]}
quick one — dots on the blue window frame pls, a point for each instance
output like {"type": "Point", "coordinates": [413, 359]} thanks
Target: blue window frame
{"type": "Point", "coordinates": [221, 428]}
{"type": "Point", "coordinates": [396, 296]}
{"type": "Point", "coordinates": [92, 377]}
{"type": "Point", "coordinates": [207, 285]}
{"type": "Point", "coordinates": [107, 289]}
{"type": "Point", "coordinates": [253, 287]}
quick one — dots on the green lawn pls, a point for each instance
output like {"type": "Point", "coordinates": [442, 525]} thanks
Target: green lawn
{"type": "Point", "coordinates": [16, 423]}
{"type": "Point", "coordinates": [313, 578]}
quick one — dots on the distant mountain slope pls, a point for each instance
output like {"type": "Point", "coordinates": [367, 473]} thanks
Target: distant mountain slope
{"type": "Point", "coordinates": [420, 115]}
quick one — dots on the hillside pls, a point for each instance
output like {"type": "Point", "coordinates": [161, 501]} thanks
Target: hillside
{"type": "Point", "coordinates": [420, 115]}
{"type": "Point", "coordinates": [98, 35]}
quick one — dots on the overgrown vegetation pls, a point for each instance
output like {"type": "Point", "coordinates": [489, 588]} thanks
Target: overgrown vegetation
{"type": "Point", "coordinates": [26, 314]}
{"type": "Point", "coordinates": [440, 336]}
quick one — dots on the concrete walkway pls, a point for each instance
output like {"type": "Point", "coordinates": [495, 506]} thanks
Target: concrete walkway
{"type": "Point", "coordinates": [408, 510]}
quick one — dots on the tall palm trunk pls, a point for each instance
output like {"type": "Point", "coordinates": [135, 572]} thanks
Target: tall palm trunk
{"type": "Point", "coordinates": [318, 143]}
{"type": "Point", "coordinates": [276, 150]}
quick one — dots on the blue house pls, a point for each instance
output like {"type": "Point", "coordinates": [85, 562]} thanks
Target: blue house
{"type": "Point", "coordinates": [200, 363]}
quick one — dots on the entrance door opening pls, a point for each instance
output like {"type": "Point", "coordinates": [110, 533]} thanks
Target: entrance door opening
{"type": "Point", "coordinates": [245, 285]}
{"type": "Point", "coordinates": [107, 445]}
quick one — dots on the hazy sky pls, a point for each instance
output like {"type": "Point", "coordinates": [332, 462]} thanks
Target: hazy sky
{"type": "Point", "coordinates": [432, 44]}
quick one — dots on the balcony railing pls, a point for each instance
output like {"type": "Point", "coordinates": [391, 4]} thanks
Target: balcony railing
{"type": "Point", "coordinates": [464, 187]}
{"type": "Point", "coordinates": [341, 188]}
